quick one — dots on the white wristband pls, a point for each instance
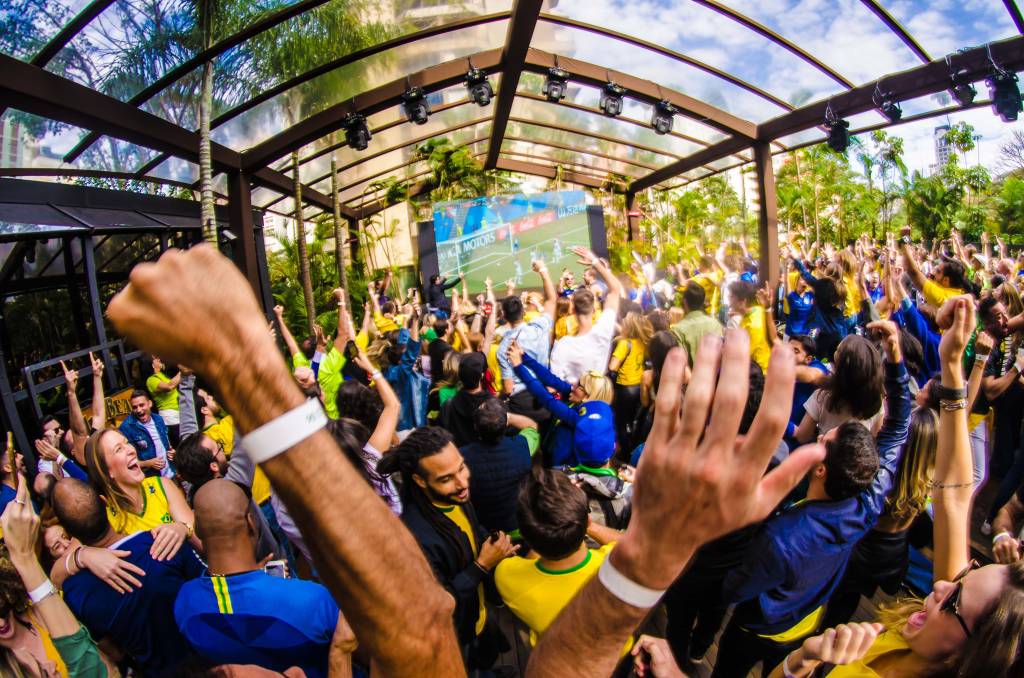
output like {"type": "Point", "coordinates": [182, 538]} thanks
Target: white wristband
{"type": "Point", "coordinates": [625, 589]}
{"type": "Point", "coordinates": [39, 593]}
{"type": "Point", "coordinates": [286, 431]}
{"type": "Point", "coordinates": [995, 539]}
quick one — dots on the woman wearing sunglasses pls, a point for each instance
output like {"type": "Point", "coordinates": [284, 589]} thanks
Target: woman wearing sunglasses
{"type": "Point", "coordinates": [972, 623]}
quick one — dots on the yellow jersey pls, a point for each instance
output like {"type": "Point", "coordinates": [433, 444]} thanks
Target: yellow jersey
{"type": "Point", "coordinates": [631, 355]}
{"type": "Point", "coordinates": [155, 510]}
{"type": "Point", "coordinates": [537, 595]}
{"type": "Point", "coordinates": [760, 350]}
{"type": "Point", "coordinates": [458, 516]}
{"type": "Point", "coordinates": [710, 282]}
{"type": "Point", "coordinates": [887, 643]}
{"type": "Point", "coordinates": [936, 295]}
{"type": "Point", "coordinates": [853, 295]}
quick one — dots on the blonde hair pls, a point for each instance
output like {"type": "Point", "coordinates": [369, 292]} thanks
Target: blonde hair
{"type": "Point", "coordinates": [377, 352]}
{"type": "Point", "coordinates": [449, 371]}
{"type": "Point", "coordinates": [637, 328]}
{"type": "Point", "coordinates": [909, 496]}
{"type": "Point", "coordinates": [597, 386]}
{"type": "Point", "coordinates": [1014, 305]}
{"type": "Point", "coordinates": [675, 314]}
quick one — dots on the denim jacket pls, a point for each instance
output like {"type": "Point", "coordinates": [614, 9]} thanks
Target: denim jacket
{"type": "Point", "coordinates": [138, 436]}
{"type": "Point", "coordinates": [799, 555]}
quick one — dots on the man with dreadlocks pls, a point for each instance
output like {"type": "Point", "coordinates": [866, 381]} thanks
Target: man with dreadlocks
{"type": "Point", "coordinates": [435, 494]}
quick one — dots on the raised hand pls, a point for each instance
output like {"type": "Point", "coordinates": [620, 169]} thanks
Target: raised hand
{"type": "Point", "coordinates": [279, 311]}
{"type": "Point", "coordinates": [515, 353]}
{"type": "Point", "coordinates": [20, 523]}
{"type": "Point", "coordinates": [889, 334]}
{"type": "Point", "coordinates": [961, 311]}
{"type": "Point", "coordinates": [70, 376]}
{"type": "Point", "coordinates": [586, 255]}
{"type": "Point", "coordinates": [46, 450]}
{"type": "Point", "coordinates": [720, 474]}
{"type": "Point", "coordinates": [97, 366]}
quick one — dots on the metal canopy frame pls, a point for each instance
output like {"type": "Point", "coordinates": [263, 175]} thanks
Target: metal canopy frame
{"type": "Point", "coordinates": [32, 89]}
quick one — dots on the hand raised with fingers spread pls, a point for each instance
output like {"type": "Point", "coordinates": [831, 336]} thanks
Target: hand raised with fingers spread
{"type": "Point", "coordinates": [697, 480]}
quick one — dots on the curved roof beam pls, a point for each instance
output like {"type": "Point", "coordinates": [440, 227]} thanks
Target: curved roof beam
{"type": "Point", "coordinates": [671, 54]}
{"type": "Point", "coordinates": [186, 67]}
{"type": "Point", "coordinates": [1018, 20]}
{"type": "Point", "coordinates": [582, 167]}
{"type": "Point", "coordinates": [513, 56]}
{"type": "Point", "coordinates": [68, 33]}
{"type": "Point", "coordinates": [898, 29]}
{"type": "Point", "coordinates": [94, 174]}
{"type": "Point", "coordinates": [768, 33]}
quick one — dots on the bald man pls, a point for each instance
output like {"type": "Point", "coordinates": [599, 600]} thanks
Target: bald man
{"type": "Point", "coordinates": [112, 617]}
{"type": "Point", "coordinates": [239, 614]}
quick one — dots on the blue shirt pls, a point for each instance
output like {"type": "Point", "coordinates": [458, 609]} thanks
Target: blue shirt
{"type": "Point", "coordinates": [800, 307]}
{"type": "Point", "coordinates": [140, 622]}
{"type": "Point", "coordinates": [7, 495]}
{"type": "Point", "coordinates": [535, 338]}
{"type": "Point", "coordinates": [254, 618]}
{"type": "Point", "coordinates": [801, 392]}
{"type": "Point", "coordinates": [799, 556]}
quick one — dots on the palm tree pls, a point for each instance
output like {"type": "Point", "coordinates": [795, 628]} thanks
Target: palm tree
{"type": "Point", "coordinates": [300, 235]}
{"type": "Point", "coordinates": [339, 242]}
{"type": "Point", "coordinates": [209, 218]}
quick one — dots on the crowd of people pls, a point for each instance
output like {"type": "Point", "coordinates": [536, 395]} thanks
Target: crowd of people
{"type": "Point", "coordinates": [632, 467]}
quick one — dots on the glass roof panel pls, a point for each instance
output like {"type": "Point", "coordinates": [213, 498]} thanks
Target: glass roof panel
{"type": "Point", "coordinates": [300, 102]}
{"type": "Point", "coordinates": [703, 34]}
{"type": "Point", "coordinates": [27, 25]}
{"type": "Point", "coordinates": [583, 142]}
{"type": "Point", "coordinates": [546, 163]}
{"type": "Point", "coordinates": [404, 174]}
{"type": "Point", "coordinates": [408, 136]}
{"type": "Point", "coordinates": [176, 169]}
{"type": "Point", "coordinates": [582, 121]}
{"type": "Point", "coordinates": [37, 142]}
{"type": "Point", "coordinates": [845, 35]}
{"type": "Point", "coordinates": [944, 26]}
{"type": "Point", "coordinates": [261, 196]}
{"type": "Point", "coordinates": [571, 160]}
{"type": "Point", "coordinates": [114, 155]}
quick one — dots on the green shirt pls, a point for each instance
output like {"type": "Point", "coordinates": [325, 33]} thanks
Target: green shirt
{"type": "Point", "coordinates": [532, 439]}
{"type": "Point", "coordinates": [168, 400]}
{"type": "Point", "coordinates": [692, 328]}
{"type": "Point", "coordinates": [299, 360]}
{"type": "Point", "coordinates": [329, 376]}
{"type": "Point", "coordinates": [80, 656]}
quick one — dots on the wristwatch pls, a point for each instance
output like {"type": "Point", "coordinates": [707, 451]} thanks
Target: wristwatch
{"type": "Point", "coordinates": [906, 240]}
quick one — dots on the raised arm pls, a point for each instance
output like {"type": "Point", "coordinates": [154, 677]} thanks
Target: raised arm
{"type": "Point", "coordinates": [983, 344]}
{"type": "Point", "coordinates": [99, 402]}
{"type": "Point", "coordinates": [492, 320]}
{"type": "Point", "coordinates": [189, 421]}
{"type": "Point", "coordinates": [550, 295]}
{"type": "Point", "coordinates": [525, 368]}
{"type": "Point", "coordinates": [910, 261]}
{"type": "Point", "coordinates": [615, 289]}
{"type": "Point", "coordinates": [695, 483]}
{"type": "Point", "coordinates": [286, 334]}
{"type": "Point", "coordinates": [387, 423]}
{"type": "Point", "coordinates": [76, 421]}
{"type": "Point", "coordinates": [373, 566]}
{"type": "Point", "coordinates": [764, 297]}
{"type": "Point", "coordinates": [953, 483]}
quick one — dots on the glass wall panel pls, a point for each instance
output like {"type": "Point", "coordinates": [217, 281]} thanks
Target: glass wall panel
{"type": "Point", "coordinates": [27, 25]}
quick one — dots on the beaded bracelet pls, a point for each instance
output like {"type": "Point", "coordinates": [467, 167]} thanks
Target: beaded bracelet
{"type": "Point", "coordinates": [953, 405]}
{"type": "Point", "coordinates": [948, 486]}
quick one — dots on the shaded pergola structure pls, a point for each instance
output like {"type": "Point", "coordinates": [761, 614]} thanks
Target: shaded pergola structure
{"type": "Point", "coordinates": [519, 131]}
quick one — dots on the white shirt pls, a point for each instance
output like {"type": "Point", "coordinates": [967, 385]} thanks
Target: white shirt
{"type": "Point", "coordinates": [574, 356]}
{"type": "Point", "coordinates": [158, 445]}
{"type": "Point", "coordinates": [828, 420]}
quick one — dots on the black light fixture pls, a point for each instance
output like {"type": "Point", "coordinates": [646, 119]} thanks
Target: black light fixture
{"type": "Point", "coordinates": [661, 117]}
{"type": "Point", "coordinates": [611, 99]}
{"type": "Point", "coordinates": [556, 83]}
{"type": "Point", "coordinates": [1003, 90]}
{"type": "Point", "coordinates": [838, 131]}
{"type": "Point", "coordinates": [415, 105]}
{"type": "Point", "coordinates": [357, 134]}
{"type": "Point", "coordinates": [961, 88]}
{"type": "Point", "coordinates": [480, 90]}
{"type": "Point", "coordinates": [886, 104]}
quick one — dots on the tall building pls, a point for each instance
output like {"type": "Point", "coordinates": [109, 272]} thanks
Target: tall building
{"type": "Point", "coordinates": [942, 147]}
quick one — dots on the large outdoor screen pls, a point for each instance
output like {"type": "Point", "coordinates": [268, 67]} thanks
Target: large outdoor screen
{"type": "Point", "coordinates": [501, 236]}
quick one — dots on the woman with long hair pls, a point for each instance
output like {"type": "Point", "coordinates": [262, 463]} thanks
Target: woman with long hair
{"type": "Point", "coordinates": [627, 362]}
{"type": "Point", "coordinates": [136, 503]}
{"type": "Point", "coordinates": [972, 623]}
{"type": "Point", "coordinates": [882, 557]}
{"type": "Point", "coordinates": [852, 392]}
{"type": "Point", "coordinates": [445, 387]}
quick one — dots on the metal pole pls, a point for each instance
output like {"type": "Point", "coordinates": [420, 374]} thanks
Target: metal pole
{"type": "Point", "coordinates": [767, 215]}
{"type": "Point", "coordinates": [92, 287]}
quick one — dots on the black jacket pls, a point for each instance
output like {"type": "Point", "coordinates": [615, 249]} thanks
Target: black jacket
{"type": "Point", "coordinates": [461, 582]}
{"type": "Point", "coordinates": [436, 297]}
{"type": "Point", "coordinates": [457, 415]}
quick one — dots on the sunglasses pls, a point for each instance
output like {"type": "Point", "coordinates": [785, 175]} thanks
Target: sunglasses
{"type": "Point", "coordinates": [952, 602]}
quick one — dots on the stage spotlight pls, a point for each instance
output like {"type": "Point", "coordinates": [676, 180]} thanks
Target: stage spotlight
{"type": "Point", "coordinates": [611, 99]}
{"type": "Point", "coordinates": [838, 135]}
{"type": "Point", "coordinates": [1002, 88]}
{"type": "Point", "coordinates": [480, 90]}
{"type": "Point", "coordinates": [415, 105]}
{"type": "Point", "coordinates": [661, 118]}
{"type": "Point", "coordinates": [357, 134]}
{"type": "Point", "coordinates": [555, 84]}
{"type": "Point", "coordinates": [886, 105]}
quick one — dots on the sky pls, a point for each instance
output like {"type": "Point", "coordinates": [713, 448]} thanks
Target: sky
{"type": "Point", "coordinates": [843, 34]}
